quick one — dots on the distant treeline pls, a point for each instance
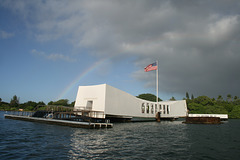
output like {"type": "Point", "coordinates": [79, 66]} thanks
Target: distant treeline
{"type": "Point", "coordinates": [204, 104]}
{"type": "Point", "coordinates": [199, 105]}
{"type": "Point", "coordinates": [14, 104]}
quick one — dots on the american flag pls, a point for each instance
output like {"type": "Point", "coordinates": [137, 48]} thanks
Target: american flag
{"type": "Point", "coordinates": [151, 67]}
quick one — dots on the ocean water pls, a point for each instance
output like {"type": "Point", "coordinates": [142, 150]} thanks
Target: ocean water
{"type": "Point", "coordinates": [145, 140]}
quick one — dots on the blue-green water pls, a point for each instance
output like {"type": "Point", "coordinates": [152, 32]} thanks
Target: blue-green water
{"type": "Point", "coordinates": [148, 140]}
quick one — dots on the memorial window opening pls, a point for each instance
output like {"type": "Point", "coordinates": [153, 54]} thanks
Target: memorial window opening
{"type": "Point", "coordinates": [164, 109]}
{"type": "Point", "coordinates": [143, 108]}
{"type": "Point", "coordinates": [152, 109]}
{"type": "Point", "coordinates": [147, 108]}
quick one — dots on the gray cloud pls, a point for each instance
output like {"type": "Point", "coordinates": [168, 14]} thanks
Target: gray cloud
{"type": "Point", "coordinates": [53, 56]}
{"type": "Point", "coordinates": [196, 42]}
{"type": "Point", "coordinates": [5, 35]}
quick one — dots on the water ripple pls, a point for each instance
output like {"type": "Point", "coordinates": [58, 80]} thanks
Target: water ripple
{"type": "Point", "coordinates": [148, 140]}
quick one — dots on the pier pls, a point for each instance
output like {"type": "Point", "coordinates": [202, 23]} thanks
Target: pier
{"type": "Point", "coordinates": [73, 119]}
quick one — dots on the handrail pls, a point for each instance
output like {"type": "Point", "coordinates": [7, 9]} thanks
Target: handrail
{"type": "Point", "coordinates": [53, 107]}
{"type": "Point", "coordinates": [85, 112]}
{"type": "Point", "coordinates": [21, 113]}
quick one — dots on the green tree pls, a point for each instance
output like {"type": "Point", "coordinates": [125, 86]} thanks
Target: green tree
{"type": "Point", "coordinates": [228, 106]}
{"type": "Point", "coordinates": [220, 98]}
{"type": "Point", "coordinates": [236, 102]}
{"type": "Point", "coordinates": [206, 105]}
{"type": "Point", "coordinates": [148, 97]}
{"type": "Point", "coordinates": [203, 100]}
{"type": "Point", "coordinates": [50, 103]}
{"type": "Point", "coordinates": [215, 109]}
{"type": "Point", "coordinates": [41, 103]}
{"type": "Point", "coordinates": [213, 100]}
{"type": "Point", "coordinates": [172, 99]}
{"type": "Point", "coordinates": [61, 102]}
{"type": "Point", "coordinates": [72, 104]}
{"type": "Point", "coordinates": [192, 97]}
{"type": "Point", "coordinates": [195, 108]}
{"type": "Point", "coordinates": [187, 95]}
{"type": "Point", "coordinates": [235, 98]}
{"type": "Point", "coordinates": [30, 105]}
{"type": "Point", "coordinates": [14, 101]}
{"type": "Point", "coordinates": [5, 107]}
{"type": "Point", "coordinates": [229, 98]}
{"type": "Point", "coordinates": [235, 113]}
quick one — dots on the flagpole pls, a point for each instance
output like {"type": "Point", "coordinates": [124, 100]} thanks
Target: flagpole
{"type": "Point", "coordinates": [157, 81]}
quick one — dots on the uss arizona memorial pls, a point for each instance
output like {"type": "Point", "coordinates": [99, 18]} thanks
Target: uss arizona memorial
{"type": "Point", "coordinates": [99, 103]}
{"type": "Point", "coordinates": [106, 102]}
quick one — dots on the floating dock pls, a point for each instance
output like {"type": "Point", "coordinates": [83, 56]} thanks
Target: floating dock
{"type": "Point", "coordinates": [206, 118]}
{"type": "Point", "coordinates": [222, 117]}
{"type": "Point", "coordinates": [203, 120]}
{"type": "Point", "coordinates": [78, 124]}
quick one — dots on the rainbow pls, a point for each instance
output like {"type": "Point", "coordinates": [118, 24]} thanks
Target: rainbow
{"type": "Point", "coordinates": [79, 77]}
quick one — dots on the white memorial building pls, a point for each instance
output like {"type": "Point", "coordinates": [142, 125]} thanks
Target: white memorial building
{"type": "Point", "coordinates": [106, 102]}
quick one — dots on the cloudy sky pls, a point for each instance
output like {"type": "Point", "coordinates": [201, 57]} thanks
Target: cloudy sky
{"type": "Point", "coordinates": [49, 48]}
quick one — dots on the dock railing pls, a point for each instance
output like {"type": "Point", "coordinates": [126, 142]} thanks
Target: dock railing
{"type": "Point", "coordinates": [54, 112]}
{"type": "Point", "coordinates": [21, 113]}
{"type": "Point", "coordinates": [81, 110]}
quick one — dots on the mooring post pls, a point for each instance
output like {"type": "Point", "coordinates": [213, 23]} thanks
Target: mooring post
{"type": "Point", "coordinates": [158, 117]}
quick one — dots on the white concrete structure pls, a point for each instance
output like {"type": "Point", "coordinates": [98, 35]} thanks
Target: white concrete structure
{"type": "Point", "coordinates": [221, 116]}
{"type": "Point", "coordinates": [108, 102]}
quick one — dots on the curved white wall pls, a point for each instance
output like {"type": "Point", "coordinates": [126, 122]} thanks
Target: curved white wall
{"type": "Point", "coordinates": [113, 101]}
